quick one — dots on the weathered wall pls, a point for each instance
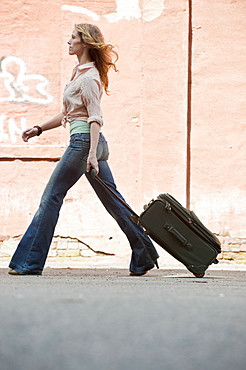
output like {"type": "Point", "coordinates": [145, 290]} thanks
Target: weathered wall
{"type": "Point", "coordinates": [145, 115]}
{"type": "Point", "coordinates": [218, 188]}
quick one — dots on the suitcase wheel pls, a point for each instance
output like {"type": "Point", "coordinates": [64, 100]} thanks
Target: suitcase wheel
{"type": "Point", "coordinates": [199, 275]}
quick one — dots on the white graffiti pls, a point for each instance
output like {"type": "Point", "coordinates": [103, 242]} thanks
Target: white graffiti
{"type": "Point", "coordinates": [128, 10]}
{"type": "Point", "coordinates": [125, 9]}
{"type": "Point", "coordinates": [81, 10]}
{"type": "Point", "coordinates": [13, 130]}
{"type": "Point", "coordinates": [152, 9]}
{"type": "Point", "coordinates": [21, 87]}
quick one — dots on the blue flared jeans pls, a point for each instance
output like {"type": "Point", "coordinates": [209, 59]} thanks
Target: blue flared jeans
{"type": "Point", "coordinates": [32, 251]}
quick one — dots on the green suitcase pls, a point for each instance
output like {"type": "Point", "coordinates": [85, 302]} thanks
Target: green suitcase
{"type": "Point", "coordinates": [181, 233]}
{"type": "Point", "coordinates": [177, 230]}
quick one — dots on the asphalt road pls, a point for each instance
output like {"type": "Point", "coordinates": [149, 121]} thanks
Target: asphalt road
{"type": "Point", "coordinates": [102, 319]}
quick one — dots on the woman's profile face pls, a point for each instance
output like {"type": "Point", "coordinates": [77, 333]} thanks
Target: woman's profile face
{"type": "Point", "coordinates": [76, 46]}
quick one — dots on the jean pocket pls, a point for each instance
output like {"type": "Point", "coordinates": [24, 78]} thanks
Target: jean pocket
{"type": "Point", "coordinates": [102, 151]}
{"type": "Point", "coordinates": [82, 146]}
{"type": "Point", "coordinates": [85, 149]}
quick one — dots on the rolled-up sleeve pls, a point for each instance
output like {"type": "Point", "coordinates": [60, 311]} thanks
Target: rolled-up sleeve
{"type": "Point", "coordinates": [91, 98]}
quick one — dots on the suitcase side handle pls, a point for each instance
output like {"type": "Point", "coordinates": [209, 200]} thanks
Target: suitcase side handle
{"type": "Point", "coordinates": [179, 236]}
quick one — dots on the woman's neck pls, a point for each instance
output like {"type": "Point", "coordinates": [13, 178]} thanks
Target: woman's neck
{"type": "Point", "coordinates": [83, 59]}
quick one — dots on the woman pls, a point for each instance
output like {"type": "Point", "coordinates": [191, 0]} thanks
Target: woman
{"type": "Point", "coordinates": [87, 149]}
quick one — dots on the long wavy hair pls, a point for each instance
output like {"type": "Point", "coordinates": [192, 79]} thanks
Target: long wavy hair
{"type": "Point", "coordinates": [100, 52]}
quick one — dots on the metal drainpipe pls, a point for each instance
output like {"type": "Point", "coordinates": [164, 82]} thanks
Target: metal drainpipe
{"type": "Point", "coordinates": [189, 98]}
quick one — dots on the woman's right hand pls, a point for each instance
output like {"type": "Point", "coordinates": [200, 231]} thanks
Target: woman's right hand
{"type": "Point", "coordinates": [28, 133]}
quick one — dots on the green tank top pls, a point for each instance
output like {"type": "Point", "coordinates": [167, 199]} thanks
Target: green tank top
{"type": "Point", "coordinates": [79, 127]}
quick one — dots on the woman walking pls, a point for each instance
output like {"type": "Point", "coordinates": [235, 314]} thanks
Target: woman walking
{"type": "Point", "coordinates": [87, 150]}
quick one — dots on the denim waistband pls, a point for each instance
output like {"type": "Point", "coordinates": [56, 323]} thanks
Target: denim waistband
{"type": "Point", "coordinates": [81, 136]}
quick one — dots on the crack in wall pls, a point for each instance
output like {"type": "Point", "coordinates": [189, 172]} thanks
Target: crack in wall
{"type": "Point", "coordinates": [30, 159]}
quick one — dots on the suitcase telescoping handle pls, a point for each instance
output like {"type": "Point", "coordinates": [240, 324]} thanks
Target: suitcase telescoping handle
{"type": "Point", "coordinates": [179, 236]}
{"type": "Point", "coordinates": [134, 215]}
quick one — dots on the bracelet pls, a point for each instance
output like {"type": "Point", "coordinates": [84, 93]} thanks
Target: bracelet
{"type": "Point", "coordinates": [39, 130]}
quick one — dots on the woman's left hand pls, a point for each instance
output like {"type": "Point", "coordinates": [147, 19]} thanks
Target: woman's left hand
{"type": "Point", "coordinates": [92, 162]}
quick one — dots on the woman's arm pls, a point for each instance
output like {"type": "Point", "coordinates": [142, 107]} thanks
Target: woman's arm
{"type": "Point", "coordinates": [52, 123]}
{"type": "Point", "coordinates": [92, 157]}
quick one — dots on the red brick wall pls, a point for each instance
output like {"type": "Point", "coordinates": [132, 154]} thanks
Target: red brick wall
{"type": "Point", "coordinates": [145, 116]}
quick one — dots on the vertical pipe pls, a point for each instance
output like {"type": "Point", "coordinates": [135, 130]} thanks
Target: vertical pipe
{"type": "Point", "coordinates": [189, 98]}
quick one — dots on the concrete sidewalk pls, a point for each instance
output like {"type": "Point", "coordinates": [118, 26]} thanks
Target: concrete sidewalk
{"type": "Point", "coordinates": [97, 271]}
{"type": "Point", "coordinates": [103, 319]}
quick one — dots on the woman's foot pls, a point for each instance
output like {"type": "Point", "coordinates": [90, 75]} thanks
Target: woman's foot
{"type": "Point", "coordinates": [14, 272]}
{"type": "Point", "coordinates": [137, 273]}
{"type": "Point", "coordinates": [156, 264]}
{"type": "Point", "coordinates": [132, 273]}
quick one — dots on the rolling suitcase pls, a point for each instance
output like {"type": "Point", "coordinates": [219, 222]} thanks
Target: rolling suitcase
{"type": "Point", "coordinates": [177, 230]}
{"type": "Point", "coordinates": [181, 233]}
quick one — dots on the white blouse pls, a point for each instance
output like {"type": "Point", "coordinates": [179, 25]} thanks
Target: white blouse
{"type": "Point", "coordinates": [82, 95]}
